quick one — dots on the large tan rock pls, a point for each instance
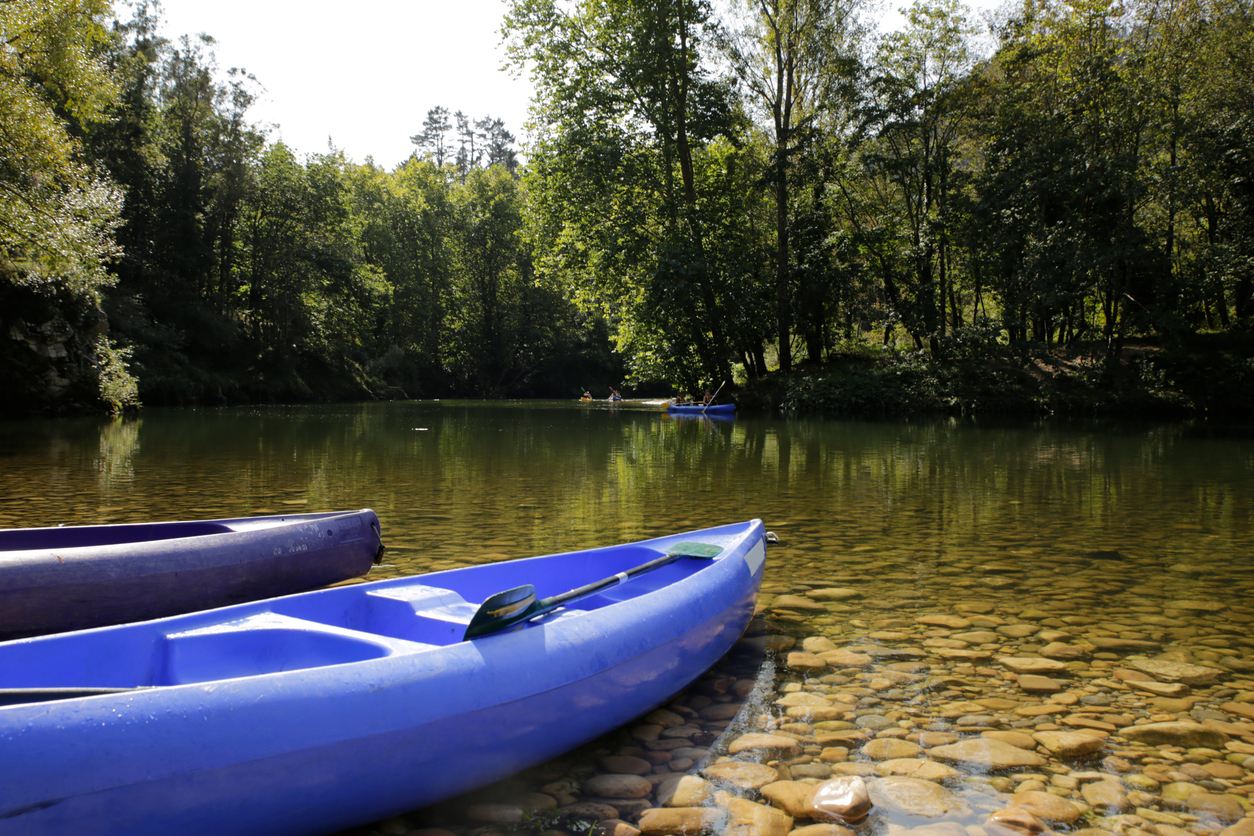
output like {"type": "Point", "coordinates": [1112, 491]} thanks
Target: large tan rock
{"type": "Point", "coordinates": [770, 744]}
{"type": "Point", "coordinates": [748, 818]}
{"type": "Point", "coordinates": [987, 753]}
{"type": "Point", "coordinates": [914, 797]}
{"type": "Point", "coordinates": [618, 786]}
{"type": "Point", "coordinates": [917, 768]}
{"type": "Point", "coordinates": [1048, 807]}
{"type": "Point", "coordinates": [746, 776]}
{"type": "Point", "coordinates": [680, 821]}
{"type": "Point", "coordinates": [1016, 820]}
{"type": "Point", "coordinates": [1069, 744]}
{"type": "Point", "coordinates": [888, 748]}
{"type": "Point", "coordinates": [842, 800]}
{"type": "Point", "coordinates": [1180, 733]}
{"type": "Point", "coordinates": [1168, 671]}
{"type": "Point", "coordinates": [1033, 664]}
{"type": "Point", "coordinates": [687, 791]}
{"type": "Point", "coordinates": [793, 797]}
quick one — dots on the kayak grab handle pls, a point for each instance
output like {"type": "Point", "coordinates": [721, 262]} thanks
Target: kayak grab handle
{"type": "Point", "coordinates": [513, 606]}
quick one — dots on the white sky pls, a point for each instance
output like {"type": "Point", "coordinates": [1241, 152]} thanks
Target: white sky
{"type": "Point", "coordinates": [366, 74]}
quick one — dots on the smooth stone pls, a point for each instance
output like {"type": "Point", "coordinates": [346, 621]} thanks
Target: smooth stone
{"type": "Point", "coordinates": [817, 644]}
{"type": "Point", "coordinates": [915, 797]}
{"type": "Point", "coordinates": [625, 765]}
{"type": "Point", "coordinates": [680, 821]}
{"type": "Point", "coordinates": [1035, 683]}
{"type": "Point", "coordinates": [1065, 652]}
{"type": "Point", "coordinates": [797, 602]}
{"type": "Point", "coordinates": [748, 818]}
{"type": "Point", "coordinates": [767, 743]}
{"type": "Point", "coordinates": [664, 718]}
{"type": "Point", "coordinates": [953, 622]}
{"type": "Point", "coordinates": [1018, 820]}
{"type": "Point", "coordinates": [1069, 744]}
{"type": "Point", "coordinates": [1018, 631]}
{"type": "Point", "coordinates": [589, 810]}
{"type": "Point", "coordinates": [746, 776]}
{"type": "Point", "coordinates": [819, 771]}
{"type": "Point", "coordinates": [838, 830]}
{"type": "Point", "coordinates": [613, 827]}
{"type": "Point", "coordinates": [1115, 643]}
{"type": "Point", "coordinates": [618, 786]}
{"type": "Point", "coordinates": [816, 713]}
{"type": "Point", "coordinates": [884, 749]}
{"type": "Point", "coordinates": [1105, 795]}
{"type": "Point", "coordinates": [1160, 689]}
{"type": "Point", "coordinates": [688, 791]}
{"type": "Point", "coordinates": [1186, 734]}
{"type": "Point", "coordinates": [720, 711]}
{"type": "Point", "coordinates": [800, 698]}
{"type": "Point", "coordinates": [793, 797]}
{"type": "Point", "coordinates": [1019, 740]}
{"type": "Point", "coordinates": [918, 768]}
{"type": "Point", "coordinates": [1032, 664]}
{"type": "Point", "coordinates": [977, 637]}
{"type": "Point", "coordinates": [1161, 669]}
{"type": "Point", "coordinates": [834, 593]}
{"type": "Point", "coordinates": [1222, 806]}
{"type": "Point", "coordinates": [1245, 827]}
{"type": "Point", "coordinates": [988, 753]}
{"type": "Point", "coordinates": [846, 658]}
{"type": "Point", "coordinates": [1241, 709]}
{"type": "Point", "coordinates": [1048, 807]}
{"type": "Point", "coordinates": [799, 660]}
{"type": "Point", "coordinates": [842, 800]}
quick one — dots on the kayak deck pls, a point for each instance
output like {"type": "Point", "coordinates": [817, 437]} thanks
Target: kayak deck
{"type": "Point", "coordinates": [331, 627]}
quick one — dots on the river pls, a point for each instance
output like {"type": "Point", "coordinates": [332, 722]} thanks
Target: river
{"type": "Point", "coordinates": [933, 550]}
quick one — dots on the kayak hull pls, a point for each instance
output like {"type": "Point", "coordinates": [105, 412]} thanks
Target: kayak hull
{"type": "Point", "coordinates": [322, 748]}
{"type": "Point", "coordinates": [77, 577]}
{"type": "Point", "coordinates": [713, 409]}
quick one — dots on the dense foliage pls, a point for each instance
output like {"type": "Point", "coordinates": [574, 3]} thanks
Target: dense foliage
{"type": "Point", "coordinates": [712, 196]}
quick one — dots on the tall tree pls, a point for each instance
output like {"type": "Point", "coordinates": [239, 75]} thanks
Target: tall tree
{"type": "Point", "coordinates": [798, 60]}
{"type": "Point", "coordinates": [624, 108]}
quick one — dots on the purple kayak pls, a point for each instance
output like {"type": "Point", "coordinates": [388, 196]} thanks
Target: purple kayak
{"type": "Point", "coordinates": [74, 577]}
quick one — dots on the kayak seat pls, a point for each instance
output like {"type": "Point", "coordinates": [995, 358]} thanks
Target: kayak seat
{"type": "Point", "coordinates": [417, 613]}
{"type": "Point", "coordinates": [260, 644]}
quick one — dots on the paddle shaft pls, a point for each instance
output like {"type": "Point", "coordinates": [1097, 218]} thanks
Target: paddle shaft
{"type": "Point", "coordinates": [547, 604]}
{"type": "Point", "coordinates": [712, 397]}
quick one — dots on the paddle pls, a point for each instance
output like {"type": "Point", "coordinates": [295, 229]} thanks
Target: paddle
{"type": "Point", "coordinates": [513, 606]}
{"type": "Point", "coordinates": [712, 397]}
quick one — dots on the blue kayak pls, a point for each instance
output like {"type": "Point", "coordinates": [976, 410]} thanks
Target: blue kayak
{"type": "Point", "coordinates": [716, 409]}
{"type": "Point", "coordinates": [74, 577]}
{"type": "Point", "coordinates": [316, 712]}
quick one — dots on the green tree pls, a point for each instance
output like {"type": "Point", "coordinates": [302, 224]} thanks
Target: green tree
{"type": "Point", "coordinates": [624, 108]}
{"type": "Point", "coordinates": [797, 61]}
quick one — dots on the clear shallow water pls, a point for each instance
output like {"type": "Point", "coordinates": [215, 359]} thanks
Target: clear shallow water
{"type": "Point", "coordinates": [1088, 531]}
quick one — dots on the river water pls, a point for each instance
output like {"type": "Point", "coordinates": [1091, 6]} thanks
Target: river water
{"type": "Point", "coordinates": [930, 551]}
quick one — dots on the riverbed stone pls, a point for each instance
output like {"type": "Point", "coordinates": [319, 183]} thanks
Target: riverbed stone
{"type": "Point", "coordinates": [748, 818]}
{"type": "Point", "coordinates": [953, 622]}
{"type": "Point", "coordinates": [914, 797]}
{"type": "Point", "coordinates": [987, 753]}
{"type": "Point", "coordinates": [746, 776]}
{"type": "Point", "coordinates": [842, 800]}
{"type": "Point", "coordinates": [793, 797]}
{"type": "Point", "coordinates": [1175, 733]}
{"type": "Point", "coordinates": [765, 743]}
{"type": "Point", "coordinates": [1017, 820]}
{"type": "Point", "coordinates": [1170, 671]}
{"type": "Point", "coordinates": [1069, 744]}
{"type": "Point", "coordinates": [1032, 664]}
{"type": "Point", "coordinates": [1048, 807]}
{"type": "Point", "coordinates": [918, 768]}
{"type": "Point", "coordinates": [1037, 684]}
{"type": "Point", "coordinates": [612, 785]}
{"type": "Point", "coordinates": [1108, 795]}
{"type": "Point", "coordinates": [680, 821]}
{"type": "Point", "coordinates": [626, 765]}
{"type": "Point", "coordinates": [686, 791]}
{"type": "Point", "coordinates": [845, 658]}
{"type": "Point", "coordinates": [824, 829]}
{"type": "Point", "coordinates": [883, 749]}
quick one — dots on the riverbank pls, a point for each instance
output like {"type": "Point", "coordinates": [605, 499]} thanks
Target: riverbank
{"type": "Point", "coordinates": [1207, 376]}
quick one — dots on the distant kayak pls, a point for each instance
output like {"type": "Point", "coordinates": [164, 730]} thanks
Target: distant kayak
{"type": "Point", "coordinates": [313, 713]}
{"type": "Point", "coordinates": [698, 408]}
{"type": "Point", "coordinates": [73, 577]}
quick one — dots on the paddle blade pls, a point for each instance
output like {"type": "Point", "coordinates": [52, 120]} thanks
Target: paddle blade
{"type": "Point", "coordinates": [695, 550]}
{"type": "Point", "coordinates": [502, 610]}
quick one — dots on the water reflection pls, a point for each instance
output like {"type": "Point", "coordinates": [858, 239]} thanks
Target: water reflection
{"type": "Point", "coordinates": [1063, 535]}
